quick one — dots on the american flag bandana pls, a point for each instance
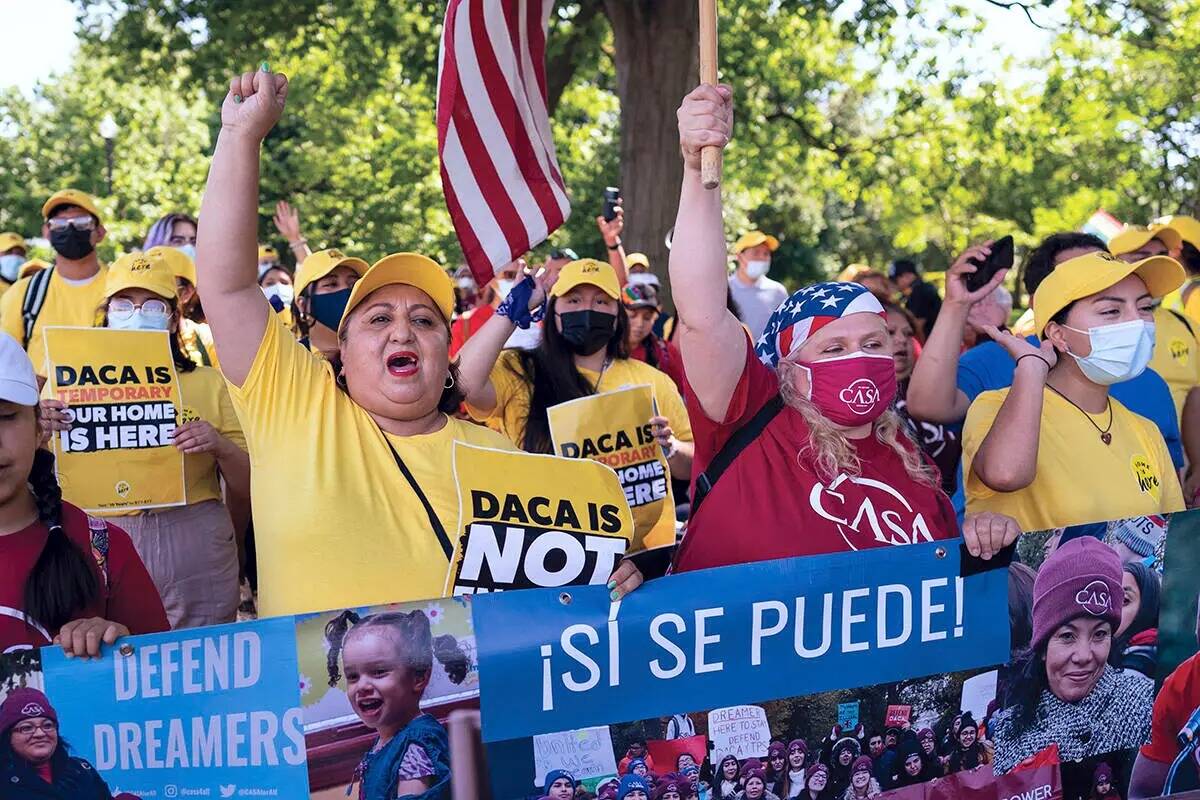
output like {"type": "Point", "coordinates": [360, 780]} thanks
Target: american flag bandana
{"type": "Point", "coordinates": [806, 312]}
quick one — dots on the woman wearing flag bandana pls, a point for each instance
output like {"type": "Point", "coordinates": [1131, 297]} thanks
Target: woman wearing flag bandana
{"type": "Point", "coordinates": [828, 466]}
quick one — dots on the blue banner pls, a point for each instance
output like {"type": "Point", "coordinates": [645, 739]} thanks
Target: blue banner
{"type": "Point", "coordinates": [552, 660]}
{"type": "Point", "coordinates": [210, 712]}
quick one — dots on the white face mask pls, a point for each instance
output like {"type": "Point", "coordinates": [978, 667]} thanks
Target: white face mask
{"type": "Point", "coordinates": [643, 279]}
{"type": "Point", "coordinates": [10, 265]}
{"type": "Point", "coordinates": [188, 250]}
{"type": "Point", "coordinates": [1120, 352]}
{"type": "Point", "coordinates": [504, 286]}
{"type": "Point", "coordinates": [757, 269]}
{"type": "Point", "coordinates": [138, 320]}
{"type": "Point", "coordinates": [284, 291]}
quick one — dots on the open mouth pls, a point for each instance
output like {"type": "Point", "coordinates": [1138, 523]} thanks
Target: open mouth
{"type": "Point", "coordinates": [369, 705]}
{"type": "Point", "coordinates": [403, 364]}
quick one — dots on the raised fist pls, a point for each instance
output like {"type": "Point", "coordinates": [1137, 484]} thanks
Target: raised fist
{"type": "Point", "coordinates": [705, 119]}
{"type": "Point", "coordinates": [254, 103]}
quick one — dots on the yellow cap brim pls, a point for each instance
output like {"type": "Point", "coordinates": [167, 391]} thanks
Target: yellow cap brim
{"type": "Point", "coordinates": [10, 240]}
{"type": "Point", "coordinates": [1130, 241]}
{"type": "Point", "coordinates": [406, 269]}
{"type": "Point", "coordinates": [305, 277]}
{"type": "Point", "coordinates": [1161, 274]}
{"type": "Point", "coordinates": [70, 197]}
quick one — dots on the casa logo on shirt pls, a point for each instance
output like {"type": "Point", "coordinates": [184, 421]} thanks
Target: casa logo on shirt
{"type": "Point", "coordinates": [123, 489]}
{"type": "Point", "coordinates": [861, 396]}
{"type": "Point", "coordinates": [187, 414]}
{"type": "Point", "coordinates": [1095, 598]}
{"type": "Point", "coordinates": [1143, 472]}
{"type": "Point", "coordinates": [882, 516]}
{"type": "Point", "coordinates": [1180, 351]}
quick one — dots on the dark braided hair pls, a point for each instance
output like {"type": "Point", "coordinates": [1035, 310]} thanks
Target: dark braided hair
{"type": "Point", "coordinates": [413, 638]}
{"type": "Point", "coordinates": [62, 582]}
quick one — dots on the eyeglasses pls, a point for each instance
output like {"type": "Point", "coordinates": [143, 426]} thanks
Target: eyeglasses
{"type": "Point", "coordinates": [176, 240]}
{"type": "Point", "coordinates": [123, 309]}
{"type": "Point", "coordinates": [31, 728]}
{"type": "Point", "coordinates": [84, 223]}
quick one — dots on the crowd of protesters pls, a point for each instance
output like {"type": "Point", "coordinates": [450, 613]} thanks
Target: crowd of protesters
{"type": "Point", "coordinates": [327, 399]}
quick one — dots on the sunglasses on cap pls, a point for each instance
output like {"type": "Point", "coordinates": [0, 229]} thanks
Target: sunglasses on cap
{"type": "Point", "coordinates": [83, 223]}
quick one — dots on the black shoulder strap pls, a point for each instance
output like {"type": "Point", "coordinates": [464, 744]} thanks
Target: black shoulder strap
{"type": "Point", "coordinates": [740, 440]}
{"type": "Point", "coordinates": [35, 300]}
{"type": "Point", "coordinates": [1184, 320]}
{"type": "Point", "coordinates": [434, 522]}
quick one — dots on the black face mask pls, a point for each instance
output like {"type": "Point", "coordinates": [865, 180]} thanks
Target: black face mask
{"type": "Point", "coordinates": [71, 243]}
{"type": "Point", "coordinates": [328, 308]}
{"type": "Point", "coordinates": [587, 331]}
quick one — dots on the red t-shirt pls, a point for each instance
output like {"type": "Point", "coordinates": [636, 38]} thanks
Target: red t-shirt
{"type": "Point", "coordinates": [130, 597]}
{"type": "Point", "coordinates": [667, 354]}
{"type": "Point", "coordinates": [1180, 696]}
{"type": "Point", "coordinates": [769, 505]}
{"type": "Point", "coordinates": [467, 325]}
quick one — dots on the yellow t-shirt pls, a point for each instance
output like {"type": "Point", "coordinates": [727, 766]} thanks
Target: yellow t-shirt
{"type": "Point", "coordinates": [4, 286]}
{"type": "Point", "coordinates": [1176, 355]}
{"type": "Point", "coordinates": [205, 397]}
{"type": "Point", "coordinates": [1079, 478]}
{"type": "Point", "coordinates": [335, 522]}
{"type": "Point", "coordinates": [198, 343]}
{"type": "Point", "coordinates": [513, 393]}
{"type": "Point", "coordinates": [66, 304]}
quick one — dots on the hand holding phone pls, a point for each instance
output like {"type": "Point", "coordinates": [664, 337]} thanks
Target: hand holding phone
{"type": "Point", "coordinates": [1000, 258]}
{"type": "Point", "coordinates": [611, 195]}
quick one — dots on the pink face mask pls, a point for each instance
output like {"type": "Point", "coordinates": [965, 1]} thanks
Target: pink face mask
{"type": "Point", "coordinates": [852, 390]}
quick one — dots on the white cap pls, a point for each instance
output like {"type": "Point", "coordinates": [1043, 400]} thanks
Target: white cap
{"type": "Point", "coordinates": [18, 384]}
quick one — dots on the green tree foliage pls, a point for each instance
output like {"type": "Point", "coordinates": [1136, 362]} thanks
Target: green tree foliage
{"type": "Point", "coordinates": [853, 144]}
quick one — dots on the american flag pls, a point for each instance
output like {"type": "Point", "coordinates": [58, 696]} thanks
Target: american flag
{"type": "Point", "coordinates": [806, 312]}
{"type": "Point", "coordinates": [503, 186]}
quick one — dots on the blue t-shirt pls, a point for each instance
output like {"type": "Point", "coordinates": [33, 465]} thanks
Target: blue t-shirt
{"type": "Point", "coordinates": [989, 366]}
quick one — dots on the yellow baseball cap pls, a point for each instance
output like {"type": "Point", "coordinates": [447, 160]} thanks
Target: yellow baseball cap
{"type": "Point", "coordinates": [70, 197]}
{"type": "Point", "coordinates": [10, 240]}
{"type": "Point", "coordinates": [587, 271]}
{"type": "Point", "coordinates": [1085, 275]}
{"type": "Point", "coordinates": [631, 260]}
{"type": "Point", "coordinates": [754, 239]}
{"type": "Point", "coordinates": [409, 269]}
{"type": "Point", "coordinates": [1187, 227]}
{"type": "Point", "coordinates": [141, 271]}
{"type": "Point", "coordinates": [267, 253]}
{"type": "Point", "coordinates": [1135, 237]}
{"type": "Point", "coordinates": [31, 266]}
{"type": "Point", "coordinates": [179, 262]}
{"type": "Point", "coordinates": [323, 262]}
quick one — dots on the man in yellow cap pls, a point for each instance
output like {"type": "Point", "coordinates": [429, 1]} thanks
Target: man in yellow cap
{"type": "Point", "coordinates": [323, 285]}
{"type": "Point", "coordinates": [755, 295]}
{"type": "Point", "coordinates": [12, 256]}
{"type": "Point", "coordinates": [68, 293]}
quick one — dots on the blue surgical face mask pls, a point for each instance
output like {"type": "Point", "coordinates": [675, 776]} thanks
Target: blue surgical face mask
{"type": "Point", "coordinates": [138, 320]}
{"type": "Point", "coordinates": [10, 265]}
{"type": "Point", "coordinates": [188, 250]}
{"type": "Point", "coordinates": [328, 308]}
{"type": "Point", "coordinates": [1120, 352]}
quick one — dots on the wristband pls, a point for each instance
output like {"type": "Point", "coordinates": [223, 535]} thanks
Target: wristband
{"type": "Point", "coordinates": [614, 246]}
{"type": "Point", "coordinates": [516, 306]}
{"type": "Point", "coordinates": [1034, 355]}
{"type": "Point", "coordinates": [297, 243]}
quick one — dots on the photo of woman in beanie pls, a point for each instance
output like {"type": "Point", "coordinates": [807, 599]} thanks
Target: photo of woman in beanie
{"type": "Point", "coordinates": [816, 783]}
{"type": "Point", "coordinates": [755, 781]}
{"type": "Point", "coordinates": [912, 764]}
{"type": "Point", "coordinates": [1065, 689]}
{"type": "Point", "coordinates": [971, 751]}
{"type": "Point", "coordinates": [1136, 640]}
{"type": "Point", "coordinates": [559, 785]}
{"type": "Point", "coordinates": [929, 755]}
{"type": "Point", "coordinates": [725, 783]}
{"type": "Point", "coordinates": [633, 787]}
{"type": "Point", "coordinates": [776, 770]}
{"type": "Point", "coordinates": [34, 761]}
{"type": "Point", "coordinates": [862, 783]}
{"type": "Point", "coordinates": [793, 779]}
{"type": "Point", "coordinates": [1102, 784]}
{"type": "Point", "coordinates": [840, 763]}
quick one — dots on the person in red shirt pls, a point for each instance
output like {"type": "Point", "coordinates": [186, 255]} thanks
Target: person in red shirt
{"type": "Point", "coordinates": [829, 466]}
{"type": "Point", "coordinates": [492, 295]}
{"type": "Point", "coordinates": [65, 578]}
{"type": "Point", "coordinates": [1178, 699]}
{"type": "Point", "coordinates": [641, 305]}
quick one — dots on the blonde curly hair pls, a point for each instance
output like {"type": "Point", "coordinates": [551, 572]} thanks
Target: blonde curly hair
{"type": "Point", "coordinates": [829, 453]}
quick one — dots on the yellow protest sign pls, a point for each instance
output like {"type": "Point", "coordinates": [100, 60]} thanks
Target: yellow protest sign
{"type": "Point", "coordinates": [528, 521]}
{"type": "Point", "coordinates": [614, 429]}
{"type": "Point", "coordinates": [122, 393]}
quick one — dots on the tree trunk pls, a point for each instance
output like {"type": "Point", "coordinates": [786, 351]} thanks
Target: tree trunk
{"type": "Point", "coordinates": [657, 63]}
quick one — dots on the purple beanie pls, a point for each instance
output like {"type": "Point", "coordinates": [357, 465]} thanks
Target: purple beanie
{"type": "Point", "coordinates": [862, 763]}
{"type": "Point", "coordinates": [776, 750]}
{"type": "Point", "coordinates": [1081, 578]}
{"type": "Point", "coordinates": [22, 704]}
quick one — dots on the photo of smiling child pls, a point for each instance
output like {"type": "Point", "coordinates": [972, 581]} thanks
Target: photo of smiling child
{"type": "Point", "coordinates": [387, 660]}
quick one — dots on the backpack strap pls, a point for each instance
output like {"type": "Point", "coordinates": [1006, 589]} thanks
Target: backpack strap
{"type": "Point", "coordinates": [738, 442]}
{"type": "Point", "coordinates": [98, 530]}
{"type": "Point", "coordinates": [35, 299]}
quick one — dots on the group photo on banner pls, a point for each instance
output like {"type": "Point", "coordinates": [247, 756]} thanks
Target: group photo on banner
{"type": "Point", "coordinates": [480, 400]}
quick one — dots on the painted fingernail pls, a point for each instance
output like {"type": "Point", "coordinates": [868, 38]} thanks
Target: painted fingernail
{"type": "Point", "coordinates": [612, 584]}
{"type": "Point", "coordinates": [265, 67]}
{"type": "Point", "coordinates": [614, 595]}
{"type": "Point", "coordinates": [237, 98]}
